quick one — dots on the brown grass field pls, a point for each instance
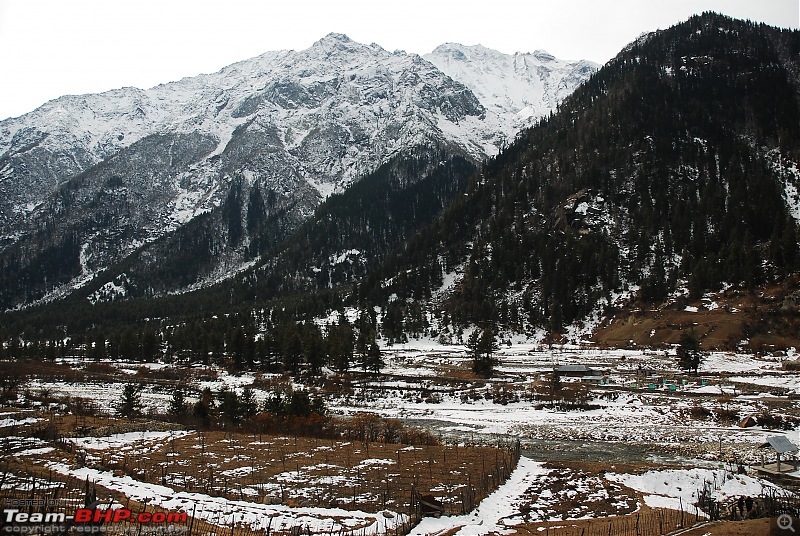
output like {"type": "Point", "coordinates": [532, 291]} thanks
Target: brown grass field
{"type": "Point", "coordinates": [299, 471]}
{"type": "Point", "coordinates": [289, 470]}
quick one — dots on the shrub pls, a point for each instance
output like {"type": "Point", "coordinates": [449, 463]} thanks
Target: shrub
{"type": "Point", "coordinates": [727, 415]}
{"type": "Point", "coordinates": [100, 368]}
{"type": "Point", "coordinates": [776, 422]}
{"type": "Point", "coordinates": [700, 412]}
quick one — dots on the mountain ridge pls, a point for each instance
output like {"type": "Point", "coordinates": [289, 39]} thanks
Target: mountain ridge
{"type": "Point", "coordinates": [520, 87]}
{"type": "Point", "coordinates": [290, 127]}
{"type": "Point", "coordinates": [671, 172]}
{"type": "Point", "coordinates": [668, 178]}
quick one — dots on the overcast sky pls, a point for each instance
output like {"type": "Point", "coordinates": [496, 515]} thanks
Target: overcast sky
{"type": "Point", "coordinates": [50, 48]}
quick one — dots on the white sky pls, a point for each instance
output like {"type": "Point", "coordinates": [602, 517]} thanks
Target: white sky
{"type": "Point", "coordinates": [49, 48]}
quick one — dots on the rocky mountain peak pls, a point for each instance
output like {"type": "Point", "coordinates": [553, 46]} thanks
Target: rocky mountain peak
{"type": "Point", "coordinates": [518, 88]}
{"type": "Point", "coordinates": [334, 38]}
{"type": "Point", "coordinates": [278, 132]}
{"type": "Point", "coordinates": [338, 45]}
{"type": "Point", "coordinates": [542, 55]}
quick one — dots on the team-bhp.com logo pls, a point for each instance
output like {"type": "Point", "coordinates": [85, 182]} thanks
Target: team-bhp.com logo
{"type": "Point", "coordinates": [87, 515]}
{"type": "Point", "coordinates": [87, 520]}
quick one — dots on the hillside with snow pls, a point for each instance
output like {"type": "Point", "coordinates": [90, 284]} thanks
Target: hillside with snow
{"type": "Point", "coordinates": [518, 88]}
{"type": "Point", "coordinates": [282, 131]}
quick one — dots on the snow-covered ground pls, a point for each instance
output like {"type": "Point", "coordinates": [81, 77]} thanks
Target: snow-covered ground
{"type": "Point", "coordinates": [658, 413]}
{"type": "Point", "coordinates": [678, 488]}
{"type": "Point", "coordinates": [490, 514]}
{"type": "Point", "coordinates": [656, 409]}
{"type": "Point", "coordinates": [11, 421]}
{"type": "Point", "coordinates": [531, 494]}
{"type": "Point", "coordinates": [420, 385]}
{"type": "Point", "coordinates": [127, 441]}
{"type": "Point", "coordinates": [258, 516]}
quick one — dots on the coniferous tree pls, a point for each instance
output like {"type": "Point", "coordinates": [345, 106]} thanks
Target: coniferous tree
{"type": "Point", "coordinates": [291, 346]}
{"type": "Point", "coordinates": [314, 348]}
{"type": "Point", "coordinates": [203, 407]}
{"type": "Point", "coordinates": [248, 405]}
{"type": "Point", "coordinates": [177, 404]}
{"type": "Point", "coordinates": [373, 359]}
{"type": "Point", "coordinates": [150, 345]}
{"type": "Point", "coordinates": [229, 407]}
{"type": "Point", "coordinates": [274, 403]}
{"type": "Point", "coordinates": [299, 404]}
{"type": "Point", "coordinates": [236, 347]}
{"type": "Point", "coordinates": [130, 404]}
{"type": "Point", "coordinates": [340, 344]}
{"type": "Point", "coordinates": [690, 356]}
{"type": "Point", "coordinates": [482, 345]}
{"type": "Point", "coordinates": [393, 324]}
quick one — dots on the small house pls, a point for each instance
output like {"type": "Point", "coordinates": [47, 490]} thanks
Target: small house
{"type": "Point", "coordinates": [577, 371]}
{"type": "Point", "coordinates": [583, 373]}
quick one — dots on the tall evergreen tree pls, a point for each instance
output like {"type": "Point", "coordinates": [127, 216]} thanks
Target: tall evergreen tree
{"type": "Point", "coordinates": [340, 344]}
{"type": "Point", "coordinates": [130, 404]}
{"type": "Point", "coordinates": [177, 404]}
{"type": "Point", "coordinates": [690, 356]}
{"type": "Point", "coordinates": [482, 346]}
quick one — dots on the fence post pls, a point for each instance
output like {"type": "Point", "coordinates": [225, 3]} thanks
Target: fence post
{"type": "Point", "coordinates": [191, 523]}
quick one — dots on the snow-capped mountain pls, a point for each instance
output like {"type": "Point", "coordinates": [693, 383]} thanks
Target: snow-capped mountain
{"type": "Point", "coordinates": [362, 98]}
{"type": "Point", "coordinates": [94, 178]}
{"type": "Point", "coordinates": [518, 88]}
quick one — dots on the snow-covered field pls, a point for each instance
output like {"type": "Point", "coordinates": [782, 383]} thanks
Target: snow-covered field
{"type": "Point", "coordinates": [258, 516]}
{"type": "Point", "coordinates": [130, 441]}
{"type": "Point", "coordinates": [657, 412]}
{"type": "Point", "coordinates": [676, 488]}
{"type": "Point", "coordinates": [492, 515]}
{"type": "Point", "coordinates": [644, 398]}
{"type": "Point", "coordinates": [534, 492]}
{"type": "Point", "coordinates": [642, 403]}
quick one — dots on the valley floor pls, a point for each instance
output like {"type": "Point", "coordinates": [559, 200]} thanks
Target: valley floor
{"type": "Point", "coordinates": [636, 442]}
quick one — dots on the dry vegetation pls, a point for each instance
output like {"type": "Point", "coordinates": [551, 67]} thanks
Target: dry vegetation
{"type": "Point", "coordinates": [295, 471]}
{"type": "Point", "coordinates": [767, 318]}
{"type": "Point", "coordinates": [64, 494]}
{"type": "Point", "coordinates": [645, 522]}
{"type": "Point", "coordinates": [649, 522]}
{"type": "Point", "coordinates": [300, 471]}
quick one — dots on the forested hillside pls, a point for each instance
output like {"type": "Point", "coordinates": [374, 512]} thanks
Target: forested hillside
{"type": "Point", "coordinates": [309, 273]}
{"type": "Point", "coordinates": [674, 166]}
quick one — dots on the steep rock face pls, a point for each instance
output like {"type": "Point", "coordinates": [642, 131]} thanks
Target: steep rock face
{"type": "Point", "coordinates": [62, 138]}
{"type": "Point", "coordinates": [518, 88]}
{"type": "Point", "coordinates": [108, 175]}
{"type": "Point", "coordinates": [338, 109]}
